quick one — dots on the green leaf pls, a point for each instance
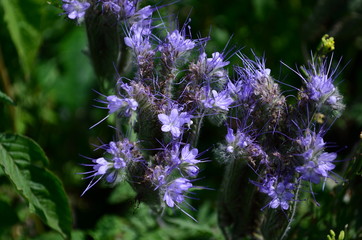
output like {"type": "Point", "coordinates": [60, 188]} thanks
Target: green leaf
{"type": "Point", "coordinates": [112, 227]}
{"type": "Point", "coordinates": [121, 193]}
{"type": "Point", "coordinates": [26, 37]}
{"type": "Point", "coordinates": [5, 98]}
{"type": "Point", "coordinates": [24, 149]}
{"type": "Point", "coordinates": [20, 158]}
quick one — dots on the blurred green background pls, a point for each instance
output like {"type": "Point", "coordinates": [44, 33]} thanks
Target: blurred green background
{"type": "Point", "coordinates": [45, 70]}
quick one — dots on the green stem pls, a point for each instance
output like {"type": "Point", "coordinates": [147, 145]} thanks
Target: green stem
{"type": "Point", "coordinates": [287, 228]}
{"type": "Point", "coordinates": [195, 137]}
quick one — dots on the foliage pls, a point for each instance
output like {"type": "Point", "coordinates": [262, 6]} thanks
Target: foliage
{"type": "Point", "coordinates": [46, 95]}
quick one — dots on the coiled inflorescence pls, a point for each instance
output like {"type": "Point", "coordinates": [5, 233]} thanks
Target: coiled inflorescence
{"type": "Point", "coordinates": [175, 85]}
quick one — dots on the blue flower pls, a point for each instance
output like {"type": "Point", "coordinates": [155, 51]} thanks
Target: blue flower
{"type": "Point", "coordinates": [111, 5]}
{"type": "Point", "coordinates": [126, 104]}
{"type": "Point", "coordinates": [316, 168]}
{"type": "Point", "coordinates": [176, 44]}
{"type": "Point", "coordinates": [210, 68]}
{"type": "Point", "coordinates": [75, 9]}
{"type": "Point", "coordinates": [173, 123]}
{"type": "Point", "coordinates": [138, 39]}
{"type": "Point", "coordinates": [175, 191]}
{"type": "Point", "coordinates": [217, 100]}
{"type": "Point", "coordinates": [115, 159]}
{"type": "Point", "coordinates": [319, 82]}
{"type": "Point", "coordinates": [316, 162]}
{"type": "Point", "coordinates": [281, 195]}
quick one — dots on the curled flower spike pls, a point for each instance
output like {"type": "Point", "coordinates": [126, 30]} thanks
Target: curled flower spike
{"type": "Point", "coordinates": [319, 89]}
{"type": "Point", "coordinates": [75, 9]}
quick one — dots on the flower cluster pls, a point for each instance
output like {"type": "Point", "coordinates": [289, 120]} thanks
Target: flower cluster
{"type": "Point", "coordinates": [175, 86]}
{"type": "Point", "coordinates": [112, 166]}
{"type": "Point", "coordinates": [161, 109]}
{"type": "Point", "coordinates": [316, 163]}
{"type": "Point", "coordinates": [286, 151]}
{"type": "Point", "coordinates": [320, 90]}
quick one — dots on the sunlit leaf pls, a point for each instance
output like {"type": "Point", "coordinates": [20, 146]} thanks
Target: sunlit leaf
{"type": "Point", "coordinates": [20, 158]}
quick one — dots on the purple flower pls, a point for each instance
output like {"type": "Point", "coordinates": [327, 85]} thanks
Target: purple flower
{"type": "Point", "coordinates": [315, 169]}
{"type": "Point", "coordinates": [126, 9]}
{"type": "Point", "coordinates": [324, 163]}
{"type": "Point", "coordinates": [189, 161]}
{"type": "Point", "coordinates": [143, 14]}
{"type": "Point", "coordinates": [253, 73]}
{"type": "Point", "coordinates": [308, 172]}
{"type": "Point", "coordinates": [111, 5]}
{"type": "Point", "coordinates": [179, 43]}
{"type": "Point", "coordinates": [220, 100]}
{"type": "Point", "coordinates": [173, 123]}
{"type": "Point", "coordinates": [185, 161]}
{"type": "Point", "coordinates": [267, 185]}
{"type": "Point", "coordinates": [319, 86]}
{"type": "Point", "coordinates": [189, 156]}
{"type": "Point", "coordinates": [75, 9]}
{"type": "Point", "coordinates": [191, 170]}
{"type": "Point", "coordinates": [311, 141]}
{"type": "Point", "coordinates": [242, 91]}
{"type": "Point", "coordinates": [101, 166]}
{"type": "Point", "coordinates": [175, 191]}
{"type": "Point", "coordinates": [114, 103]}
{"type": "Point", "coordinates": [175, 45]}
{"type": "Point", "coordinates": [158, 176]}
{"type": "Point", "coordinates": [230, 137]}
{"type": "Point", "coordinates": [319, 82]}
{"type": "Point", "coordinates": [138, 39]}
{"type": "Point", "coordinates": [209, 68]}
{"type": "Point", "coordinates": [317, 163]}
{"type": "Point", "coordinates": [242, 139]}
{"type": "Point", "coordinates": [215, 62]}
{"type": "Point", "coordinates": [115, 159]}
{"type": "Point", "coordinates": [281, 195]}
{"type": "Point", "coordinates": [126, 104]}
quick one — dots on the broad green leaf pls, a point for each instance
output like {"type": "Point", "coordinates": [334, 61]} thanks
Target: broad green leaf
{"type": "Point", "coordinates": [24, 149]}
{"type": "Point", "coordinates": [5, 98]}
{"type": "Point", "coordinates": [41, 188]}
{"type": "Point", "coordinates": [26, 37]}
